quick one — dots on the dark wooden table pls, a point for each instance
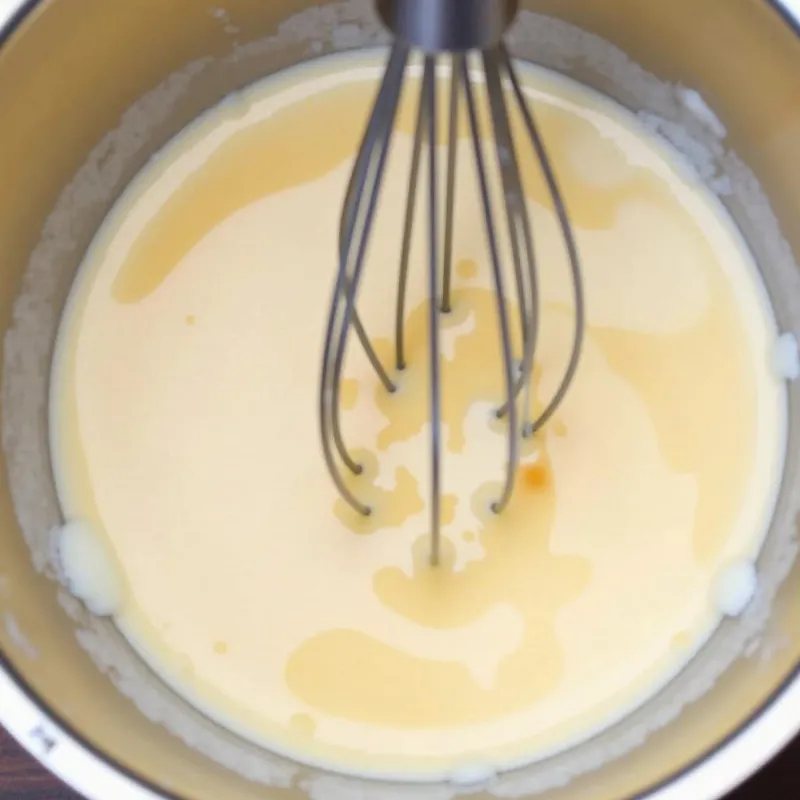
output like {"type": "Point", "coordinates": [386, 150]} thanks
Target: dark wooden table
{"type": "Point", "coordinates": [21, 778]}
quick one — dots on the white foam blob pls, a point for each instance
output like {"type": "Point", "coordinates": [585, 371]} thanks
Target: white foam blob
{"type": "Point", "coordinates": [693, 102]}
{"type": "Point", "coordinates": [18, 638]}
{"type": "Point", "coordinates": [786, 358]}
{"type": "Point", "coordinates": [346, 35]}
{"type": "Point", "coordinates": [89, 568]}
{"type": "Point", "coordinates": [473, 776]}
{"type": "Point", "coordinates": [735, 587]}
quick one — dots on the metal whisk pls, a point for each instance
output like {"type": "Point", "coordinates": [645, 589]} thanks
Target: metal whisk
{"type": "Point", "coordinates": [446, 30]}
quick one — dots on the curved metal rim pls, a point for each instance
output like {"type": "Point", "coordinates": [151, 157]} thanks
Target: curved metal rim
{"type": "Point", "coordinates": [85, 768]}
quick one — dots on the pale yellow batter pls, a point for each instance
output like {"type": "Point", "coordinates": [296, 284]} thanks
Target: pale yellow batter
{"type": "Point", "coordinates": [186, 443]}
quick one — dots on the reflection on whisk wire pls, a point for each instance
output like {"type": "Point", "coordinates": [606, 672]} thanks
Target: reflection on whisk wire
{"type": "Point", "coordinates": [429, 24]}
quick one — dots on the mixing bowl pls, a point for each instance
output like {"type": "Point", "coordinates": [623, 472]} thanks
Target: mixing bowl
{"type": "Point", "coordinates": [88, 92]}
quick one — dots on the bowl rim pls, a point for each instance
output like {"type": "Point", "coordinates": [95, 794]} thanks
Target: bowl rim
{"type": "Point", "coordinates": [66, 753]}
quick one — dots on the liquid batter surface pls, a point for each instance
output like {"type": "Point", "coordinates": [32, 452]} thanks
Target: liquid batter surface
{"type": "Point", "coordinates": [187, 456]}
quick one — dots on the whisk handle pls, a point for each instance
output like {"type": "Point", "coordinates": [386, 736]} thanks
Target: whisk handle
{"type": "Point", "coordinates": [436, 26]}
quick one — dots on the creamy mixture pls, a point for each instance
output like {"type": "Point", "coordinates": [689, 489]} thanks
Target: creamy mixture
{"type": "Point", "coordinates": [201, 516]}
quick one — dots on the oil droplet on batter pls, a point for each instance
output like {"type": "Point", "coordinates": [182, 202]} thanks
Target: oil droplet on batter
{"type": "Point", "coordinates": [349, 396]}
{"type": "Point", "coordinates": [191, 319]}
{"type": "Point", "coordinates": [221, 648]}
{"type": "Point", "coordinates": [682, 640]}
{"type": "Point", "coordinates": [304, 724]}
{"type": "Point", "coordinates": [535, 476]}
{"type": "Point", "coordinates": [466, 268]}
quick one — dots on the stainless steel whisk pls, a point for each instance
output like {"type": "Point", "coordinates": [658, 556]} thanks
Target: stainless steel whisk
{"type": "Point", "coordinates": [446, 30]}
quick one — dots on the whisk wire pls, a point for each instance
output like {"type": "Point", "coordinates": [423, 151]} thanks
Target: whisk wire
{"type": "Point", "coordinates": [360, 226]}
{"type": "Point", "coordinates": [356, 216]}
{"type": "Point", "coordinates": [452, 151]}
{"type": "Point", "coordinates": [569, 242]}
{"type": "Point", "coordinates": [362, 172]}
{"type": "Point", "coordinates": [429, 89]}
{"type": "Point", "coordinates": [361, 200]}
{"type": "Point", "coordinates": [499, 284]}
{"type": "Point", "coordinates": [408, 226]}
{"type": "Point", "coordinates": [519, 230]}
